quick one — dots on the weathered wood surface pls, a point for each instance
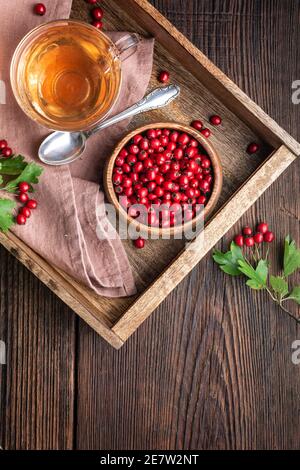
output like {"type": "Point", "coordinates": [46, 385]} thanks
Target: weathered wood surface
{"type": "Point", "coordinates": [212, 366]}
{"type": "Point", "coordinates": [203, 91]}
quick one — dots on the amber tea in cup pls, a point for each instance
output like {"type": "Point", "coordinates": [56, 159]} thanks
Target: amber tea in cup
{"type": "Point", "coordinates": [66, 74]}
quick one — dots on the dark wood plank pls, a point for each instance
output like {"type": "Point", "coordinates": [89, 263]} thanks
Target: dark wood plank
{"type": "Point", "coordinates": [212, 366]}
{"type": "Point", "coordinates": [37, 383]}
{"type": "Point", "coordinates": [201, 372]}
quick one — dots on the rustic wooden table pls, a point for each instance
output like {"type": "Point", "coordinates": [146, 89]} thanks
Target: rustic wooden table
{"type": "Point", "coordinates": [211, 368]}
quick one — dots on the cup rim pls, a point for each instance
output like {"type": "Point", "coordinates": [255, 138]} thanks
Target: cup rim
{"type": "Point", "coordinates": [13, 68]}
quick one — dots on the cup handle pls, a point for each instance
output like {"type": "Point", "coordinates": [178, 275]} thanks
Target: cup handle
{"type": "Point", "coordinates": [127, 45]}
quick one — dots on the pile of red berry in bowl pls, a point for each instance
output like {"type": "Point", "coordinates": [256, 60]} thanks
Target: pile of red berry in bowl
{"type": "Point", "coordinates": [170, 170]}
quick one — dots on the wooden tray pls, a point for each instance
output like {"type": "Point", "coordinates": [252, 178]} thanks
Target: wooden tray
{"type": "Point", "coordinates": [205, 91]}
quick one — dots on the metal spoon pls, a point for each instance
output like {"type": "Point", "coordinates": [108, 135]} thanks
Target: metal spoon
{"type": "Point", "coordinates": [61, 148]}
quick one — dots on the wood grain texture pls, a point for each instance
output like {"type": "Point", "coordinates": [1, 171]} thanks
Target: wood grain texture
{"type": "Point", "coordinates": [204, 90]}
{"type": "Point", "coordinates": [218, 374]}
{"type": "Point", "coordinates": [37, 406]}
{"type": "Point", "coordinates": [212, 367]}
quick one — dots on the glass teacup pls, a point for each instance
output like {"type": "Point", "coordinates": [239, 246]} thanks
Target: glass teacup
{"type": "Point", "coordinates": [66, 74]}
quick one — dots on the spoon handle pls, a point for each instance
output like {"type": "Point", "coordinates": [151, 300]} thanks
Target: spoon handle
{"type": "Point", "coordinates": [158, 98]}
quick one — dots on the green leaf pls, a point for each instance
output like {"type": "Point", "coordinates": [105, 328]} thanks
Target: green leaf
{"type": "Point", "coordinates": [295, 294]}
{"type": "Point", "coordinates": [6, 216]}
{"type": "Point", "coordinates": [262, 270]}
{"type": "Point", "coordinates": [279, 285]}
{"type": "Point", "coordinates": [228, 262]}
{"type": "Point", "coordinates": [30, 174]}
{"type": "Point", "coordinates": [230, 269]}
{"type": "Point", "coordinates": [258, 277]}
{"type": "Point", "coordinates": [291, 260]}
{"type": "Point", "coordinates": [253, 284]}
{"type": "Point", "coordinates": [236, 252]}
{"type": "Point", "coordinates": [12, 166]}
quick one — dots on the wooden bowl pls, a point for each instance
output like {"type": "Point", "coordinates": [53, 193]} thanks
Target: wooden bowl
{"type": "Point", "coordinates": [217, 173]}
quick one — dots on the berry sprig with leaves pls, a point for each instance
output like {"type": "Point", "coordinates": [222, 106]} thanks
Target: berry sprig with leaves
{"type": "Point", "coordinates": [14, 172]}
{"type": "Point", "coordinates": [257, 271]}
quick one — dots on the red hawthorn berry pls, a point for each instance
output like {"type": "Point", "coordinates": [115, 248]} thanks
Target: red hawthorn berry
{"type": "Point", "coordinates": [247, 231]}
{"type": "Point", "coordinates": [249, 241]}
{"type": "Point", "coordinates": [239, 240]}
{"type": "Point", "coordinates": [262, 227]}
{"type": "Point", "coordinates": [269, 237]}
{"type": "Point", "coordinates": [164, 76]}
{"type": "Point", "coordinates": [139, 243]}
{"type": "Point", "coordinates": [258, 238]}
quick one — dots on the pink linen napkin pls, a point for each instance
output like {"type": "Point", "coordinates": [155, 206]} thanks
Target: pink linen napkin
{"type": "Point", "coordinates": [63, 228]}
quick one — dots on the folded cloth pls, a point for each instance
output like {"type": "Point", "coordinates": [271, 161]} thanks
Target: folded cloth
{"type": "Point", "coordinates": [64, 228]}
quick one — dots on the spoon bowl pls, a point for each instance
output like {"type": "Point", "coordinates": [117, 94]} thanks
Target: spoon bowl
{"type": "Point", "coordinates": [72, 143]}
